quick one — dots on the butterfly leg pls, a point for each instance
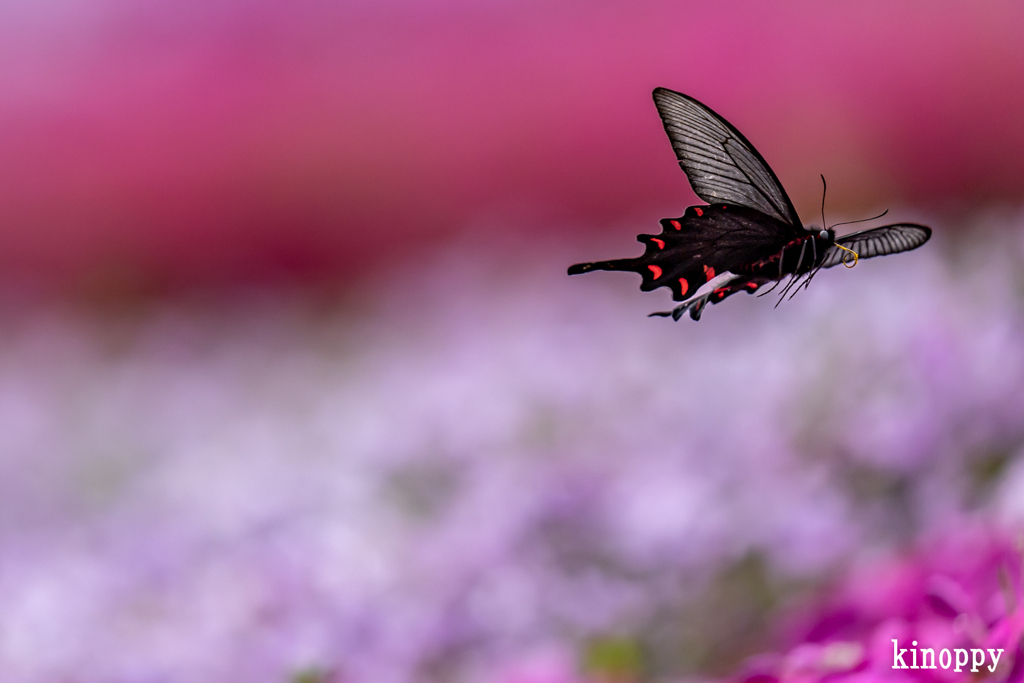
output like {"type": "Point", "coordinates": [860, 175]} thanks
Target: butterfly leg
{"type": "Point", "coordinates": [793, 279]}
{"type": "Point", "coordinates": [769, 290]}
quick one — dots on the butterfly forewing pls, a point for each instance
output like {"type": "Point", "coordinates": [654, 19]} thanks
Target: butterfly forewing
{"type": "Point", "coordinates": [888, 239]}
{"type": "Point", "coordinates": [721, 165]}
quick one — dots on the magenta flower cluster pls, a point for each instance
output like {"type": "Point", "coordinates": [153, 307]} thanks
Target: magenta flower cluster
{"type": "Point", "coordinates": [950, 610]}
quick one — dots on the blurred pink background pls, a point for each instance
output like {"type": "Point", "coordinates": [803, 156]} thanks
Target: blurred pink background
{"type": "Point", "coordinates": [165, 144]}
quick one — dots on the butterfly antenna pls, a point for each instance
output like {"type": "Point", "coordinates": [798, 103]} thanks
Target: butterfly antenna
{"type": "Point", "coordinates": [824, 188]}
{"type": "Point", "coordinates": [862, 220]}
{"type": "Point", "coordinates": [846, 259]}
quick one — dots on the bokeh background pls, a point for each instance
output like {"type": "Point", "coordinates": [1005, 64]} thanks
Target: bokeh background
{"type": "Point", "coordinates": [293, 386]}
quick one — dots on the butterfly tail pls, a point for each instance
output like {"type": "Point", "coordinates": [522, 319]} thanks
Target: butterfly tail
{"type": "Point", "coordinates": [630, 264]}
{"type": "Point", "coordinates": [694, 307]}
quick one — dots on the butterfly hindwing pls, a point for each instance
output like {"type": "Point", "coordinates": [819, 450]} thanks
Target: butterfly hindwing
{"type": "Point", "coordinates": [722, 166]}
{"type": "Point", "coordinates": [748, 285]}
{"type": "Point", "coordinates": [704, 242]}
{"type": "Point", "coordinates": [888, 239]}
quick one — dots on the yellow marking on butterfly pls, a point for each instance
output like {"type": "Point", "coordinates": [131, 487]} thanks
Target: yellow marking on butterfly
{"type": "Point", "coordinates": [846, 263]}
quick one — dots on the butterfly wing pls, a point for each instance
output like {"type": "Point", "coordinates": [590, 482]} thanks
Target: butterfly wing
{"type": "Point", "coordinates": [721, 165]}
{"type": "Point", "coordinates": [888, 239]}
{"type": "Point", "coordinates": [702, 243]}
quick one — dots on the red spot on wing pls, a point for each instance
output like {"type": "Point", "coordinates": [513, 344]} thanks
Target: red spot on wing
{"type": "Point", "coordinates": [683, 286]}
{"type": "Point", "coordinates": [676, 224]}
{"type": "Point", "coordinates": [720, 292]}
{"type": "Point", "coordinates": [699, 211]}
{"type": "Point", "coordinates": [752, 285]}
{"type": "Point", "coordinates": [709, 273]}
{"type": "Point", "coordinates": [655, 271]}
{"type": "Point", "coordinates": [660, 243]}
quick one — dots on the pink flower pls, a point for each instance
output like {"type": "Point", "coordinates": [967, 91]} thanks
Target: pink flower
{"type": "Point", "coordinates": [952, 609]}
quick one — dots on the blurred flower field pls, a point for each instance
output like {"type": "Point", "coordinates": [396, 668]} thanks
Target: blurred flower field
{"type": "Point", "coordinates": [294, 387]}
{"type": "Point", "coordinates": [479, 469]}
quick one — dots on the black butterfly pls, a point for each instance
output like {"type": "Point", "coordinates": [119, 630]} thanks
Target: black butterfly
{"type": "Point", "coordinates": [749, 233]}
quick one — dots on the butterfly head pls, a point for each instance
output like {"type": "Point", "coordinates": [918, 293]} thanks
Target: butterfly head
{"type": "Point", "coordinates": [826, 236]}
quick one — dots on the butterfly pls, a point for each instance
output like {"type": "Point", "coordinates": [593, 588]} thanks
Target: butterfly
{"type": "Point", "coordinates": [748, 235]}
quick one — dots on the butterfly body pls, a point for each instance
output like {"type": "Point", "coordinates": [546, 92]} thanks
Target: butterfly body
{"type": "Point", "coordinates": [749, 234]}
